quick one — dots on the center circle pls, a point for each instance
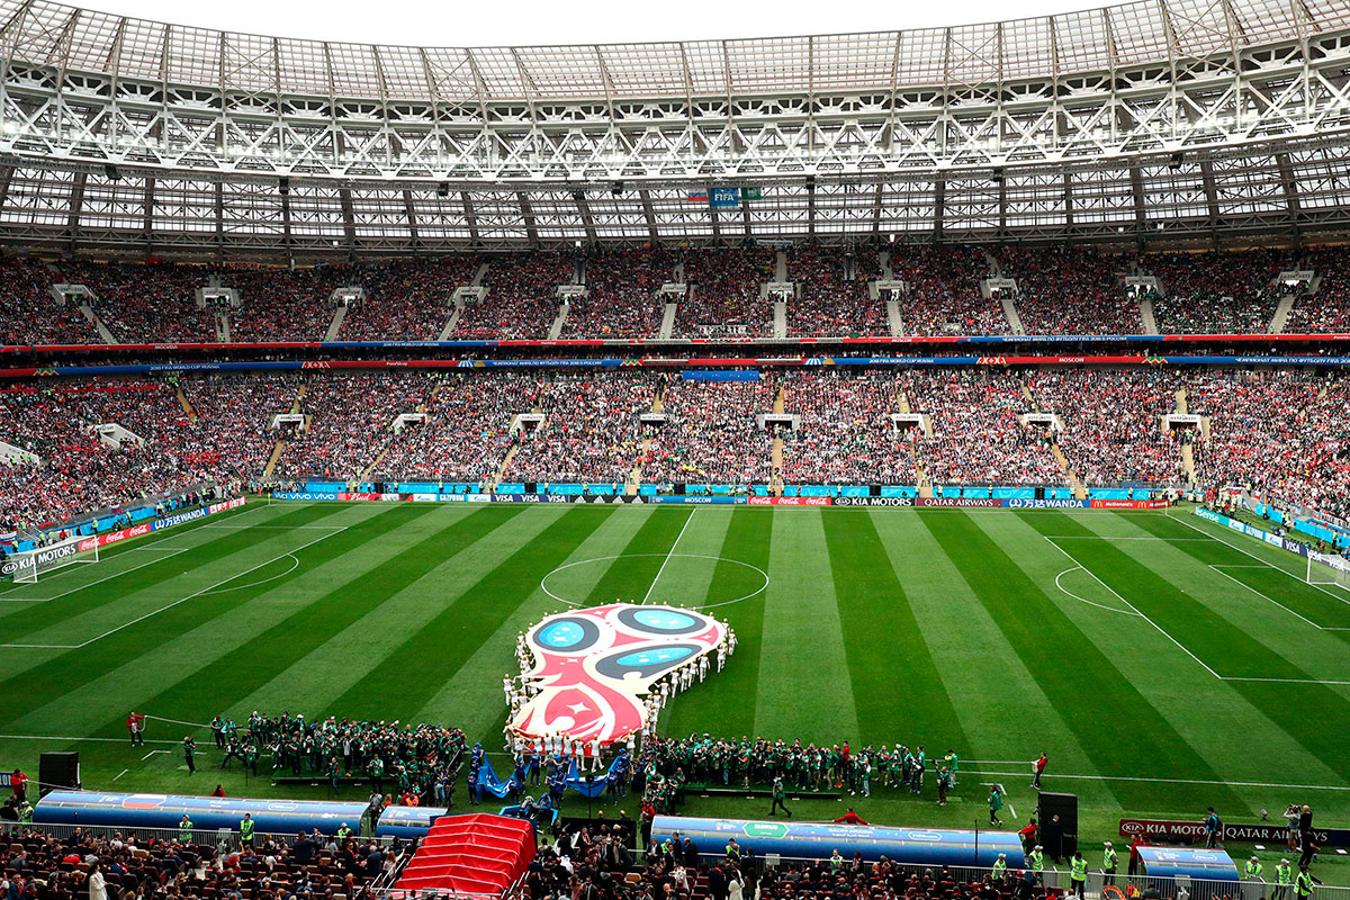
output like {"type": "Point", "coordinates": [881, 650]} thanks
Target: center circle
{"type": "Point", "coordinates": [558, 593]}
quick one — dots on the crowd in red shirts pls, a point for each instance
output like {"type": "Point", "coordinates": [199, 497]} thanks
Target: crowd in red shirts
{"type": "Point", "coordinates": [832, 293]}
{"type": "Point", "coordinates": [1070, 290]}
{"type": "Point", "coordinates": [846, 435]}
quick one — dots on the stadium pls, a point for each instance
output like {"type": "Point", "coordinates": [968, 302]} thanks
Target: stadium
{"type": "Point", "coordinates": [911, 463]}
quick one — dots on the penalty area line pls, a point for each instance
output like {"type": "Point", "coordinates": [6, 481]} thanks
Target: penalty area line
{"type": "Point", "coordinates": [1151, 780]}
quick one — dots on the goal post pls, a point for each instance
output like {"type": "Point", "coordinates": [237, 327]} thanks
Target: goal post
{"type": "Point", "coordinates": [1329, 570]}
{"type": "Point", "coordinates": [27, 567]}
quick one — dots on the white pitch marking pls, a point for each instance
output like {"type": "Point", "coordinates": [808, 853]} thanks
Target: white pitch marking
{"type": "Point", "coordinates": [120, 774]}
{"type": "Point", "coordinates": [1180, 645]}
{"type": "Point", "coordinates": [1123, 612]}
{"type": "Point", "coordinates": [1220, 569]}
{"type": "Point", "coordinates": [1267, 563]}
{"type": "Point", "coordinates": [173, 551]}
{"type": "Point", "coordinates": [665, 562]}
{"type": "Point", "coordinates": [73, 740]}
{"type": "Point", "coordinates": [1140, 778]}
{"type": "Point", "coordinates": [192, 596]}
{"type": "Point", "coordinates": [152, 753]}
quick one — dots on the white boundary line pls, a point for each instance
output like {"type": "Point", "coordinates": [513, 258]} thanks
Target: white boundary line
{"type": "Point", "coordinates": [543, 582]}
{"type": "Point", "coordinates": [1219, 567]}
{"type": "Point", "coordinates": [1265, 562]}
{"type": "Point", "coordinates": [1141, 778]}
{"type": "Point", "coordinates": [1123, 612]}
{"type": "Point", "coordinates": [338, 529]}
{"type": "Point", "coordinates": [173, 551]}
{"type": "Point", "coordinates": [1183, 647]}
{"type": "Point", "coordinates": [665, 562]}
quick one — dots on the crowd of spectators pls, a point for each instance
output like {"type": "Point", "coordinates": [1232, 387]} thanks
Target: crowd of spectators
{"type": "Point", "coordinates": [407, 300]}
{"type": "Point", "coordinates": [143, 302]}
{"type": "Point", "coordinates": [76, 471]}
{"type": "Point", "coordinates": [591, 431]}
{"type": "Point", "coordinates": [233, 434]}
{"type": "Point", "coordinates": [1328, 309]}
{"type": "Point", "coordinates": [944, 291]}
{"type": "Point", "coordinates": [623, 299]}
{"type": "Point", "coordinates": [1283, 434]}
{"type": "Point", "coordinates": [829, 302]}
{"type": "Point", "coordinates": [1068, 289]}
{"type": "Point", "coordinates": [1216, 293]}
{"type": "Point", "coordinates": [29, 314]}
{"type": "Point", "coordinates": [845, 433]}
{"type": "Point", "coordinates": [522, 297]}
{"type": "Point", "coordinates": [110, 866]}
{"type": "Point", "coordinates": [1113, 423]}
{"type": "Point", "coordinates": [711, 435]}
{"type": "Point", "coordinates": [467, 433]}
{"type": "Point", "coordinates": [349, 420]}
{"type": "Point", "coordinates": [977, 434]}
{"type": "Point", "coordinates": [724, 293]}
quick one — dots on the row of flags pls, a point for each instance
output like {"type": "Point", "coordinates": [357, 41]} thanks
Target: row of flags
{"type": "Point", "coordinates": [725, 197]}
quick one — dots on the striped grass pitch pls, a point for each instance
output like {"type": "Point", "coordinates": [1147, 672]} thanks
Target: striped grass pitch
{"type": "Point", "coordinates": [1164, 664]}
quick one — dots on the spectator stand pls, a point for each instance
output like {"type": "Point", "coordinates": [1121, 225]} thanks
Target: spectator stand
{"type": "Point", "coordinates": [342, 300]}
{"type": "Point", "coordinates": [220, 301]}
{"type": "Point", "coordinates": [85, 300]}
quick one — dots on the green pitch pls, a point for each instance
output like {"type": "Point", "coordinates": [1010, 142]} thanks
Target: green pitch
{"type": "Point", "coordinates": [1163, 663]}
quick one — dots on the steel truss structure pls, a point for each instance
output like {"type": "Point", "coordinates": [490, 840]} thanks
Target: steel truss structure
{"type": "Point", "coordinates": [1196, 119]}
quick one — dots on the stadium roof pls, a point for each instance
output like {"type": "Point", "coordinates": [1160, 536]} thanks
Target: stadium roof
{"type": "Point", "coordinates": [1201, 115]}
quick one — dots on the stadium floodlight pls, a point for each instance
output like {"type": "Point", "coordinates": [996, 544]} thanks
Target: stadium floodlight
{"type": "Point", "coordinates": [1327, 569]}
{"type": "Point", "coordinates": [29, 566]}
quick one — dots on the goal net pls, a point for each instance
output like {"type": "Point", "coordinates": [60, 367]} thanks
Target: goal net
{"type": "Point", "coordinates": [1323, 568]}
{"type": "Point", "coordinates": [28, 567]}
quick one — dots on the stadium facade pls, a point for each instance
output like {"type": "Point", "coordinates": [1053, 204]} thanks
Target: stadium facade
{"type": "Point", "coordinates": [1164, 120]}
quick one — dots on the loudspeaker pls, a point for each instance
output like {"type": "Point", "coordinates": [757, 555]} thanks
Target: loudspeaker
{"type": "Point", "coordinates": [58, 770]}
{"type": "Point", "coordinates": [1040, 493]}
{"type": "Point", "coordinates": [531, 487]}
{"type": "Point", "coordinates": [679, 490]}
{"type": "Point", "coordinates": [1059, 840]}
{"type": "Point", "coordinates": [874, 490]}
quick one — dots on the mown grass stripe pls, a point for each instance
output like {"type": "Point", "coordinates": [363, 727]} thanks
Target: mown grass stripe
{"type": "Point", "coordinates": [726, 698]}
{"type": "Point", "coordinates": [437, 650]}
{"type": "Point", "coordinates": [68, 671]}
{"type": "Point", "coordinates": [30, 619]}
{"type": "Point", "coordinates": [628, 578]}
{"type": "Point", "coordinates": [1278, 582]}
{"type": "Point", "coordinates": [1077, 677]}
{"type": "Point", "coordinates": [1228, 648]}
{"type": "Point", "coordinates": [246, 668]}
{"type": "Point", "coordinates": [897, 689]}
{"type": "Point", "coordinates": [804, 689]}
{"type": "Point", "coordinates": [971, 654]}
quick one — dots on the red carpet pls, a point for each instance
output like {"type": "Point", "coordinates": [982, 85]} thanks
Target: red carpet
{"type": "Point", "coordinates": [473, 854]}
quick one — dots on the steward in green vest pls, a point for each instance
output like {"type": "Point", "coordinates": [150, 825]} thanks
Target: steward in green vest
{"type": "Point", "coordinates": [1109, 860]}
{"type": "Point", "coordinates": [246, 830]}
{"type": "Point", "coordinates": [1001, 867]}
{"type": "Point", "coordinates": [343, 832]}
{"type": "Point", "coordinates": [185, 830]}
{"type": "Point", "coordinates": [1037, 861]}
{"type": "Point", "coordinates": [1078, 874]}
{"type": "Point", "coordinates": [1252, 871]}
{"type": "Point", "coordinates": [1284, 878]}
{"type": "Point", "coordinates": [1303, 883]}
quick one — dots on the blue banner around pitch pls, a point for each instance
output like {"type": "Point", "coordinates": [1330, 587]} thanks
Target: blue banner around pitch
{"type": "Point", "coordinates": [1170, 862]}
{"type": "Point", "coordinates": [813, 840]}
{"type": "Point", "coordinates": [210, 813]}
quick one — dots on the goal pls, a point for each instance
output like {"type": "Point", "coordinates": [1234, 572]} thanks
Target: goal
{"type": "Point", "coordinates": [1323, 568]}
{"type": "Point", "coordinates": [28, 567]}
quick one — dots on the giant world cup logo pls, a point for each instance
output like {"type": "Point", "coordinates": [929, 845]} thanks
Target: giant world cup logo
{"type": "Point", "coordinates": [593, 669]}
